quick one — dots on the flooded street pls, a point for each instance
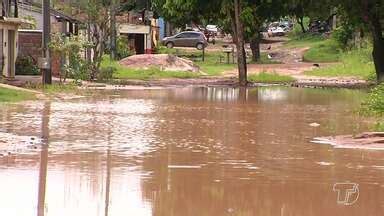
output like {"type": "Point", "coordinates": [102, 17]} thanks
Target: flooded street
{"type": "Point", "coordinates": [186, 152]}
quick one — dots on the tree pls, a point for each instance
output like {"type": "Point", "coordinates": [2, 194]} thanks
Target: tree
{"type": "Point", "coordinates": [238, 31]}
{"type": "Point", "coordinates": [370, 14]}
{"type": "Point", "coordinates": [255, 15]}
{"type": "Point", "coordinates": [195, 11]}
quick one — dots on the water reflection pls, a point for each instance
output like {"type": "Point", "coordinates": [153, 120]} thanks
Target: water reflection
{"type": "Point", "coordinates": [43, 159]}
{"type": "Point", "coordinates": [190, 151]}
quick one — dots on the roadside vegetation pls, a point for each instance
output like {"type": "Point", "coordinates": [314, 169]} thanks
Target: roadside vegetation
{"type": "Point", "coordinates": [270, 78]}
{"type": "Point", "coordinates": [374, 106]}
{"type": "Point", "coordinates": [12, 95]}
{"type": "Point", "coordinates": [356, 63]}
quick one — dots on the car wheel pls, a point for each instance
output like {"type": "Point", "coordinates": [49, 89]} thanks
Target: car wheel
{"type": "Point", "coordinates": [170, 45]}
{"type": "Point", "coordinates": [200, 46]}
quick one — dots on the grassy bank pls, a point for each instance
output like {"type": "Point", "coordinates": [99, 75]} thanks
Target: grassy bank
{"type": "Point", "coordinates": [373, 106]}
{"type": "Point", "coordinates": [11, 95]}
{"type": "Point", "coordinates": [320, 49]}
{"type": "Point", "coordinates": [357, 63]}
{"type": "Point", "coordinates": [272, 78]}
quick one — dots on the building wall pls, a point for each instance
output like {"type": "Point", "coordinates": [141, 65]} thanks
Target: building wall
{"type": "Point", "coordinates": [30, 43]}
{"type": "Point", "coordinates": [8, 67]}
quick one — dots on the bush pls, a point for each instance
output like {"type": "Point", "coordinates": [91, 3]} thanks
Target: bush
{"type": "Point", "coordinates": [26, 65]}
{"type": "Point", "coordinates": [374, 104]}
{"type": "Point", "coordinates": [343, 34]}
{"type": "Point", "coordinates": [106, 73]}
{"type": "Point", "coordinates": [122, 48]}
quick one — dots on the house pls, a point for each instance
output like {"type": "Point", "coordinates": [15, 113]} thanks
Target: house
{"type": "Point", "coordinates": [9, 25]}
{"type": "Point", "coordinates": [30, 40]}
{"type": "Point", "coordinates": [142, 28]}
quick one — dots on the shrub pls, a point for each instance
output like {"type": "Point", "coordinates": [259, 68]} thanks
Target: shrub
{"type": "Point", "coordinates": [374, 104]}
{"type": "Point", "coordinates": [343, 34]}
{"type": "Point", "coordinates": [106, 73]}
{"type": "Point", "coordinates": [122, 48]}
{"type": "Point", "coordinates": [26, 65]}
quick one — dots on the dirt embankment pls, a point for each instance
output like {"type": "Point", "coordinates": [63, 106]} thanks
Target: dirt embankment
{"type": "Point", "coordinates": [163, 61]}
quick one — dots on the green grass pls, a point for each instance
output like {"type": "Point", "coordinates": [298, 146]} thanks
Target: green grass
{"type": "Point", "coordinates": [325, 51]}
{"type": "Point", "coordinates": [265, 77]}
{"type": "Point", "coordinates": [11, 95]}
{"type": "Point", "coordinates": [321, 49]}
{"type": "Point", "coordinates": [304, 40]}
{"type": "Point", "coordinates": [140, 74]}
{"type": "Point", "coordinates": [355, 63]}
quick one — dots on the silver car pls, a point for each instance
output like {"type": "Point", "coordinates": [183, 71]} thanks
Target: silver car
{"type": "Point", "coordinates": [186, 39]}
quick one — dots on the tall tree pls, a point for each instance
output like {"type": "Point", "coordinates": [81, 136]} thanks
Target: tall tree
{"type": "Point", "coordinates": [240, 42]}
{"type": "Point", "coordinates": [369, 13]}
{"type": "Point", "coordinates": [195, 11]}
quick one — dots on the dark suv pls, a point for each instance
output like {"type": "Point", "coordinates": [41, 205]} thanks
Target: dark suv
{"type": "Point", "coordinates": [186, 39]}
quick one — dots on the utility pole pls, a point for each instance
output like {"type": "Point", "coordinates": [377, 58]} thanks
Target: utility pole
{"type": "Point", "coordinates": [113, 29]}
{"type": "Point", "coordinates": [45, 64]}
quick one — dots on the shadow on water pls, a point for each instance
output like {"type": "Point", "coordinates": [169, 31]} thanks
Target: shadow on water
{"type": "Point", "coordinates": [189, 151]}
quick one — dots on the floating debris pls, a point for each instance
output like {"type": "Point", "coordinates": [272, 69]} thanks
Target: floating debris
{"type": "Point", "coordinates": [369, 141]}
{"type": "Point", "coordinates": [314, 124]}
{"type": "Point", "coordinates": [12, 143]}
{"type": "Point", "coordinates": [184, 167]}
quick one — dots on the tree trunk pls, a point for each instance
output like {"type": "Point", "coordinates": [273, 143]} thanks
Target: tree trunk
{"type": "Point", "coordinates": [241, 56]}
{"type": "Point", "coordinates": [378, 48]}
{"type": "Point", "coordinates": [301, 23]}
{"type": "Point", "coordinates": [255, 47]}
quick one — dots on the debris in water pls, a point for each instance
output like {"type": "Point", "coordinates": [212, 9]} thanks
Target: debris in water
{"type": "Point", "coordinates": [314, 125]}
{"type": "Point", "coordinates": [371, 141]}
{"type": "Point", "coordinates": [184, 167]}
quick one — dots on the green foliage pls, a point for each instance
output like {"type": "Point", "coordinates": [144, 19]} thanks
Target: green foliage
{"type": "Point", "coordinates": [343, 34]}
{"type": "Point", "coordinates": [71, 47]}
{"type": "Point", "coordinates": [122, 49]}
{"type": "Point", "coordinates": [32, 24]}
{"type": "Point", "coordinates": [297, 31]}
{"type": "Point", "coordinates": [106, 73]}
{"type": "Point", "coordinates": [374, 104]}
{"type": "Point", "coordinates": [265, 77]}
{"type": "Point", "coordinates": [357, 63]}
{"type": "Point", "coordinates": [25, 65]}
{"type": "Point", "coordinates": [11, 95]}
{"type": "Point", "coordinates": [304, 40]}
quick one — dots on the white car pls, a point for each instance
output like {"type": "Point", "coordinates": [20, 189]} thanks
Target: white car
{"type": "Point", "coordinates": [276, 31]}
{"type": "Point", "coordinates": [212, 28]}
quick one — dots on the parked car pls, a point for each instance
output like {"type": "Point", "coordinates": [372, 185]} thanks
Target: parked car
{"type": "Point", "coordinates": [276, 31]}
{"type": "Point", "coordinates": [212, 28]}
{"type": "Point", "coordinates": [186, 39]}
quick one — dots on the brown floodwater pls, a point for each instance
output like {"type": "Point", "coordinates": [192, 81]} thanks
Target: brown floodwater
{"type": "Point", "coordinates": [187, 152]}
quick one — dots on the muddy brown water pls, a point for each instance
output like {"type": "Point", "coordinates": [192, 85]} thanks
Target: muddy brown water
{"type": "Point", "coordinates": [187, 152]}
